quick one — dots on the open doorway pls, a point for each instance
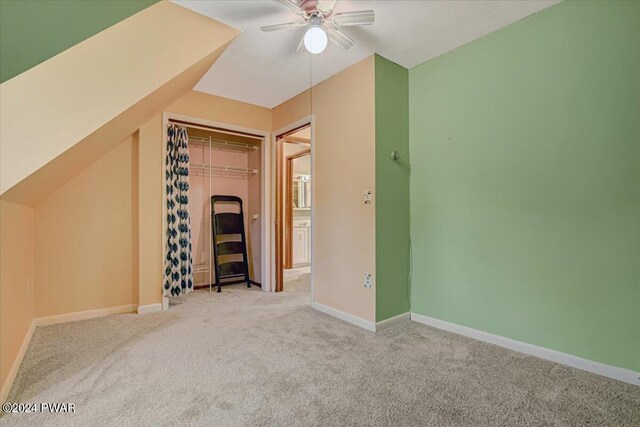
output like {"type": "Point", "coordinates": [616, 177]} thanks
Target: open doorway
{"type": "Point", "coordinates": [294, 207]}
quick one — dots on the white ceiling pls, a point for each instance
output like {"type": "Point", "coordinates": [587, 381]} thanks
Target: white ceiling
{"type": "Point", "coordinates": [263, 68]}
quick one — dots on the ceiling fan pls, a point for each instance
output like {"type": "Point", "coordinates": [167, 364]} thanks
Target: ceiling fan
{"type": "Point", "coordinates": [322, 22]}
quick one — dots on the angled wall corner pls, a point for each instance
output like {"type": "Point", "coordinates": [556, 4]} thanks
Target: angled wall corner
{"type": "Point", "coordinates": [101, 89]}
{"type": "Point", "coordinates": [392, 189]}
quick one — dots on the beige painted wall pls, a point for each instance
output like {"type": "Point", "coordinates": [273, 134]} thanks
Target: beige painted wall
{"type": "Point", "coordinates": [343, 169]}
{"type": "Point", "coordinates": [16, 269]}
{"type": "Point", "coordinates": [89, 84]}
{"type": "Point", "coordinates": [85, 236]}
{"type": "Point", "coordinates": [224, 110]}
{"type": "Point", "coordinates": [150, 181]}
{"type": "Point", "coordinates": [291, 110]}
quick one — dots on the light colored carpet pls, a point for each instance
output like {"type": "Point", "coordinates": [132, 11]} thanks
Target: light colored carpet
{"type": "Point", "coordinates": [244, 357]}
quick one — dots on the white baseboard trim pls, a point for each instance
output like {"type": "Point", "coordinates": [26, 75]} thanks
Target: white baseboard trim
{"type": "Point", "coordinates": [350, 318]}
{"type": "Point", "coordinates": [13, 371]}
{"type": "Point", "coordinates": [151, 308]}
{"type": "Point", "coordinates": [620, 374]}
{"type": "Point", "coordinates": [387, 323]}
{"type": "Point", "coordinates": [84, 315]}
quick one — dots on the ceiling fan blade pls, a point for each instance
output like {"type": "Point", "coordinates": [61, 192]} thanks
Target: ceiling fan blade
{"type": "Point", "coordinates": [340, 38]}
{"type": "Point", "coordinates": [286, 26]}
{"type": "Point", "coordinates": [326, 6]}
{"type": "Point", "coordinates": [361, 17]}
{"type": "Point", "coordinates": [291, 5]}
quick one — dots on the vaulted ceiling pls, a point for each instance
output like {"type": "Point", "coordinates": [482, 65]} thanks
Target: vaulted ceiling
{"type": "Point", "coordinates": [264, 68]}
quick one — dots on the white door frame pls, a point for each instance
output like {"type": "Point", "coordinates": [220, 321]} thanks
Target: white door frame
{"type": "Point", "coordinates": [310, 119]}
{"type": "Point", "coordinates": [265, 177]}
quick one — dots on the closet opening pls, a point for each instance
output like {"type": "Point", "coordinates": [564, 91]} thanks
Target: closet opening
{"type": "Point", "coordinates": [225, 199]}
{"type": "Point", "coordinates": [294, 206]}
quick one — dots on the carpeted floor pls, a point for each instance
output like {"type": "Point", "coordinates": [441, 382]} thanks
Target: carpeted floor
{"type": "Point", "coordinates": [244, 357]}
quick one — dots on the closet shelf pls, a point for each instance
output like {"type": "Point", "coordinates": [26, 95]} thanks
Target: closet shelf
{"type": "Point", "coordinates": [206, 170]}
{"type": "Point", "coordinates": [221, 144]}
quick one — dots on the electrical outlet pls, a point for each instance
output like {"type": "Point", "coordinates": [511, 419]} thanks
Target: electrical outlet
{"type": "Point", "coordinates": [367, 197]}
{"type": "Point", "coordinates": [367, 280]}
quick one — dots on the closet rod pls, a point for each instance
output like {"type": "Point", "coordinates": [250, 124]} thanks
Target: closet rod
{"type": "Point", "coordinates": [206, 127]}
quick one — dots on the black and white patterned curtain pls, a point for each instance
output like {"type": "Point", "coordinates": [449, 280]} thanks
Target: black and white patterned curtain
{"type": "Point", "coordinates": [178, 272]}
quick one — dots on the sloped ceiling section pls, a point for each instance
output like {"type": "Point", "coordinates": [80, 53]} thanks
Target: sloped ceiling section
{"type": "Point", "coordinates": [33, 31]}
{"type": "Point", "coordinates": [97, 93]}
{"type": "Point", "coordinates": [57, 172]}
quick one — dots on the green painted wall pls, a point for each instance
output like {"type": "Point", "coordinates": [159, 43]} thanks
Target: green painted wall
{"type": "Point", "coordinates": [525, 183]}
{"type": "Point", "coordinates": [32, 31]}
{"type": "Point", "coordinates": [392, 189]}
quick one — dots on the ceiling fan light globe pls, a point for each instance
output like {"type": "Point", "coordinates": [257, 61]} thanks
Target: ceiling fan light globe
{"type": "Point", "coordinates": [315, 40]}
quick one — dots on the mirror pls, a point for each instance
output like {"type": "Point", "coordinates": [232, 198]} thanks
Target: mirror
{"type": "Point", "coordinates": [302, 192]}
